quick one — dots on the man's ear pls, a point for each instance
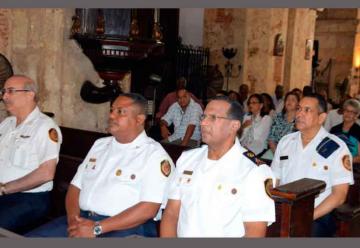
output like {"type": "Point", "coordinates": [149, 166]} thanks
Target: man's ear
{"type": "Point", "coordinates": [140, 118]}
{"type": "Point", "coordinates": [235, 125]}
{"type": "Point", "coordinates": [322, 118]}
{"type": "Point", "coordinates": [32, 94]}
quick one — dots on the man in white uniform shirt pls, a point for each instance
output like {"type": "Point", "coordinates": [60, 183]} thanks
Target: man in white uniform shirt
{"type": "Point", "coordinates": [314, 153]}
{"type": "Point", "coordinates": [185, 115]}
{"type": "Point", "coordinates": [118, 189]}
{"type": "Point", "coordinates": [29, 151]}
{"type": "Point", "coordinates": [218, 190]}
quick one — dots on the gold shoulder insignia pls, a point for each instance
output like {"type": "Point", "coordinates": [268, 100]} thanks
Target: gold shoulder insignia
{"type": "Point", "coordinates": [250, 155]}
{"type": "Point", "coordinates": [165, 168]}
{"type": "Point", "coordinates": [53, 135]}
{"type": "Point", "coordinates": [268, 183]}
{"type": "Point", "coordinates": [346, 162]}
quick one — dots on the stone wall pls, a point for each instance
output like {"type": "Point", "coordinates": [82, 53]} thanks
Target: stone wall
{"type": "Point", "coordinates": [252, 32]}
{"type": "Point", "coordinates": [336, 32]}
{"type": "Point", "coordinates": [226, 28]}
{"type": "Point", "coordinates": [37, 43]}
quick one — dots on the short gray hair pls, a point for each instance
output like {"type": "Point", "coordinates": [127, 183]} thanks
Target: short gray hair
{"type": "Point", "coordinates": [32, 86]}
{"type": "Point", "coordinates": [353, 103]}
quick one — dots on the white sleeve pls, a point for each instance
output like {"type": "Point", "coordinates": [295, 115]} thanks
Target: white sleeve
{"type": "Point", "coordinates": [48, 146]}
{"type": "Point", "coordinates": [275, 164]}
{"type": "Point", "coordinates": [341, 172]}
{"type": "Point", "coordinates": [156, 179]}
{"type": "Point", "coordinates": [174, 186]}
{"type": "Point", "coordinates": [259, 205]}
{"type": "Point", "coordinates": [77, 180]}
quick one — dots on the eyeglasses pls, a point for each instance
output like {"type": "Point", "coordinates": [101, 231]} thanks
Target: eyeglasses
{"type": "Point", "coordinates": [213, 118]}
{"type": "Point", "coordinates": [253, 103]}
{"type": "Point", "coordinates": [306, 110]}
{"type": "Point", "coordinates": [350, 111]}
{"type": "Point", "coordinates": [11, 90]}
{"type": "Point", "coordinates": [118, 111]}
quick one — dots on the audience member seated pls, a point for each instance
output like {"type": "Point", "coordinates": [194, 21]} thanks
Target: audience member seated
{"type": "Point", "coordinates": [323, 93]}
{"type": "Point", "coordinates": [297, 91]}
{"type": "Point", "coordinates": [256, 126]}
{"type": "Point", "coordinates": [269, 107]}
{"type": "Point", "coordinates": [349, 130]}
{"type": "Point", "coordinates": [307, 90]}
{"type": "Point", "coordinates": [335, 116]}
{"type": "Point", "coordinates": [222, 93]}
{"type": "Point", "coordinates": [234, 96]}
{"type": "Point", "coordinates": [244, 96]}
{"type": "Point", "coordinates": [284, 122]}
{"type": "Point", "coordinates": [185, 115]}
{"type": "Point", "coordinates": [29, 151]}
{"type": "Point", "coordinates": [314, 153]}
{"type": "Point", "coordinates": [171, 98]}
{"type": "Point", "coordinates": [218, 190]}
{"type": "Point", "coordinates": [118, 189]}
{"type": "Point", "coordinates": [278, 98]}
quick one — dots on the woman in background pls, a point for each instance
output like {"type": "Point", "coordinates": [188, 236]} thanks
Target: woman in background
{"type": "Point", "coordinates": [256, 126]}
{"type": "Point", "coordinates": [349, 130]}
{"type": "Point", "coordinates": [284, 122]}
{"type": "Point", "coordinates": [269, 106]}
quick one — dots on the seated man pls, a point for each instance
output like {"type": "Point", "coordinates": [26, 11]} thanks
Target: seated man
{"type": "Point", "coordinates": [185, 115]}
{"type": "Point", "coordinates": [171, 98]}
{"type": "Point", "coordinates": [314, 153]}
{"type": "Point", "coordinates": [218, 190]}
{"type": "Point", "coordinates": [29, 151]}
{"type": "Point", "coordinates": [118, 189]}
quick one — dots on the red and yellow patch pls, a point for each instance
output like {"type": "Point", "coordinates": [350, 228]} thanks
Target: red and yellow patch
{"type": "Point", "coordinates": [268, 183]}
{"type": "Point", "coordinates": [165, 168]}
{"type": "Point", "coordinates": [346, 162]}
{"type": "Point", "coordinates": [53, 135]}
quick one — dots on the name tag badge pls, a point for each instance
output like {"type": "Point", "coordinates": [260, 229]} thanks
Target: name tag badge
{"type": "Point", "coordinates": [284, 157]}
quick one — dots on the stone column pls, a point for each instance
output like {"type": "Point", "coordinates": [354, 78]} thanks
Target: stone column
{"type": "Point", "coordinates": [301, 27]}
{"type": "Point", "coordinates": [355, 90]}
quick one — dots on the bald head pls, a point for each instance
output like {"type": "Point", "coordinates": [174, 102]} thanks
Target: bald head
{"type": "Point", "coordinates": [19, 95]}
{"type": "Point", "coordinates": [24, 82]}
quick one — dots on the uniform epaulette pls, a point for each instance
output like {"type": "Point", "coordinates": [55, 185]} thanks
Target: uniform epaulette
{"type": "Point", "coordinates": [327, 147]}
{"type": "Point", "coordinates": [250, 155]}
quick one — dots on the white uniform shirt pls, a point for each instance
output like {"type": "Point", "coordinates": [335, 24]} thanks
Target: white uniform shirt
{"type": "Point", "coordinates": [182, 120]}
{"type": "Point", "coordinates": [254, 137]}
{"type": "Point", "coordinates": [115, 176]}
{"type": "Point", "coordinates": [24, 147]}
{"type": "Point", "coordinates": [217, 197]}
{"type": "Point", "coordinates": [292, 162]}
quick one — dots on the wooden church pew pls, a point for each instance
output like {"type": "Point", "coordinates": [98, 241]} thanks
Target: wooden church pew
{"type": "Point", "coordinates": [294, 204]}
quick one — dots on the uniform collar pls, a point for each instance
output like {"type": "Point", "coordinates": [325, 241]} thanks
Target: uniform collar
{"type": "Point", "coordinates": [318, 137]}
{"type": "Point", "coordinates": [32, 116]}
{"type": "Point", "coordinates": [228, 158]}
{"type": "Point", "coordinates": [136, 143]}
